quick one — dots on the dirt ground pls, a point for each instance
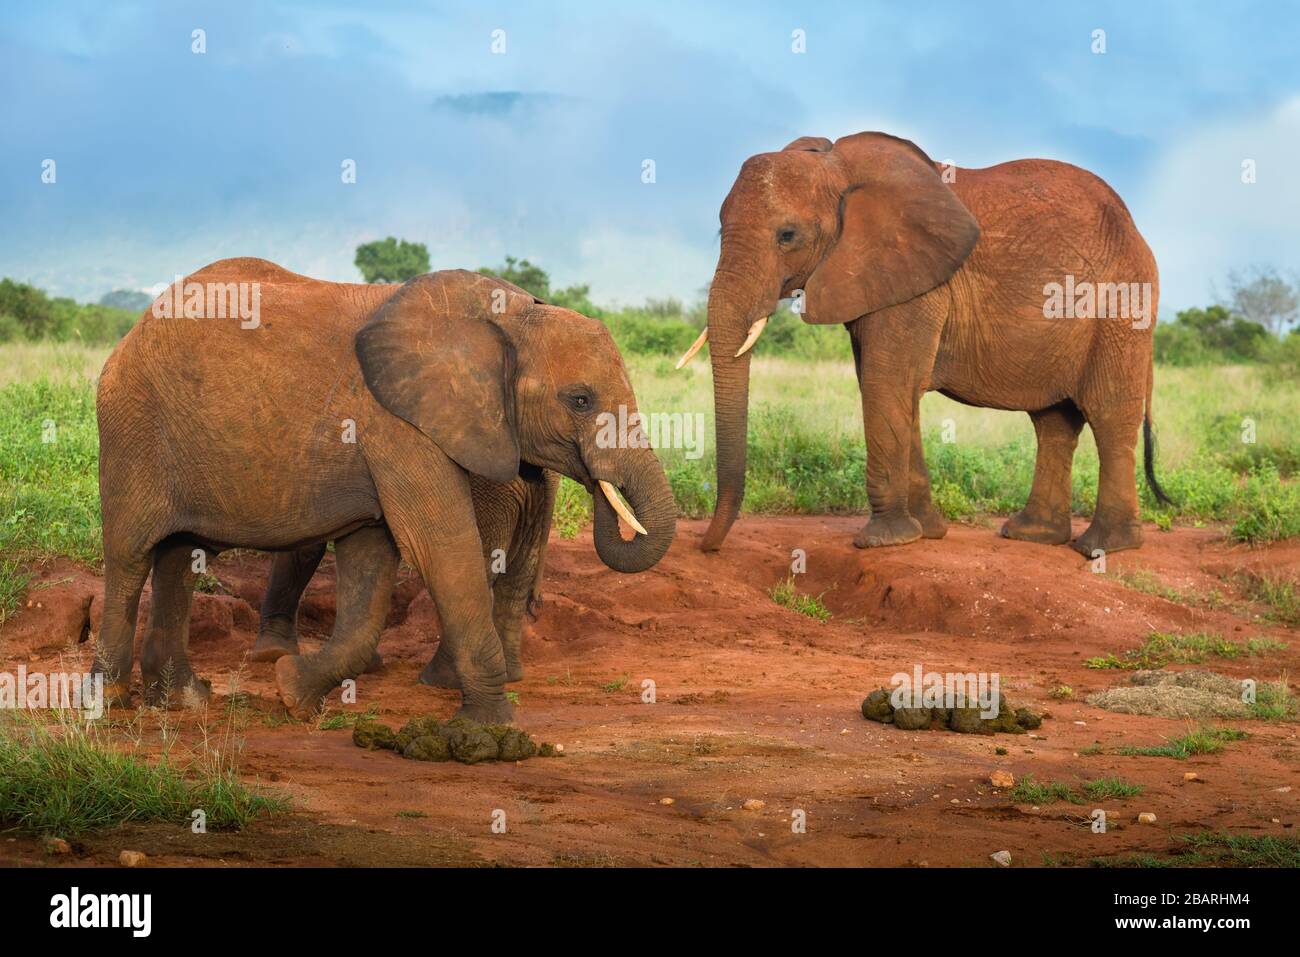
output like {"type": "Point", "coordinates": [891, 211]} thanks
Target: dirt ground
{"type": "Point", "coordinates": [753, 703]}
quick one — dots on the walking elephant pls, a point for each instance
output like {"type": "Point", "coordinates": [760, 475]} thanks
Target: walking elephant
{"type": "Point", "coordinates": [355, 414]}
{"type": "Point", "coordinates": [1020, 286]}
{"type": "Point", "coordinates": [514, 523]}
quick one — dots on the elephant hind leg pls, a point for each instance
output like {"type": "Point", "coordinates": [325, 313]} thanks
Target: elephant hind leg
{"type": "Point", "coordinates": [125, 572]}
{"type": "Point", "coordinates": [367, 570]}
{"type": "Point", "coordinates": [1115, 524]}
{"type": "Point", "coordinates": [167, 676]}
{"type": "Point", "coordinates": [277, 634]}
{"type": "Point", "coordinates": [1046, 516]}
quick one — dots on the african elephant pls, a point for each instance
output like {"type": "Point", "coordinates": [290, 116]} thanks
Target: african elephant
{"type": "Point", "coordinates": [514, 523]}
{"type": "Point", "coordinates": [354, 414]}
{"type": "Point", "coordinates": [951, 280]}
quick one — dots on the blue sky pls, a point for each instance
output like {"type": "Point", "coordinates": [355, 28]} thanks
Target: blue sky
{"type": "Point", "coordinates": [167, 159]}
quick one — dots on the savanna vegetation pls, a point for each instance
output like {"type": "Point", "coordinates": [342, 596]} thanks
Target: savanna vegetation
{"type": "Point", "coordinates": [1228, 442]}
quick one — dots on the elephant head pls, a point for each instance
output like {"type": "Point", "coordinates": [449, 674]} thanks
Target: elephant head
{"type": "Point", "coordinates": [499, 380]}
{"type": "Point", "coordinates": [855, 226]}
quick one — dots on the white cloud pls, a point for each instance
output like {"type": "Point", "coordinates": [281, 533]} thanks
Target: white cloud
{"type": "Point", "coordinates": [1202, 220]}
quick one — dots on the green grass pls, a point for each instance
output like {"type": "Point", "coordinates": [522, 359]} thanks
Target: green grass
{"type": "Point", "coordinates": [410, 814]}
{"type": "Point", "coordinates": [618, 684]}
{"type": "Point", "coordinates": [340, 720]}
{"type": "Point", "coordinates": [806, 450]}
{"type": "Point", "coordinates": [1145, 581]}
{"type": "Point", "coordinates": [69, 779]}
{"type": "Point", "coordinates": [1208, 849]}
{"type": "Point", "coordinates": [1241, 850]}
{"type": "Point", "coordinates": [1199, 741]}
{"type": "Point", "coordinates": [1111, 789]}
{"type": "Point", "coordinates": [787, 596]}
{"type": "Point", "coordinates": [1274, 701]}
{"type": "Point", "coordinates": [1280, 595]}
{"type": "Point", "coordinates": [1030, 791]}
{"type": "Point", "coordinates": [13, 584]}
{"type": "Point", "coordinates": [1163, 648]}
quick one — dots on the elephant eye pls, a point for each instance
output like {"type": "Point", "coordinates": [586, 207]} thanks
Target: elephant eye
{"type": "Point", "coordinates": [785, 235]}
{"type": "Point", "coordinates": [581, 400]}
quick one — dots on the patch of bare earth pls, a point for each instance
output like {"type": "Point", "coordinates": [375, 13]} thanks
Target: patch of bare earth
{"type": "Point", "coordinates": [753, 702]}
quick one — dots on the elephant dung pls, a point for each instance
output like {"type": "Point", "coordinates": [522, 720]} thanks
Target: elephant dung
{"type": "Point", "coordinates": [373, 735]}
{"type": "Point", "coordinates": [876, 707]}
{"type": "Point", "coordinates": [517, 746]}
{"type": "Point", "coordinates": [428, 747]}
{"type": "Point", "coordinates": [963, 720]}
{"type": "Point", "coordinates": [470, 743]}
{"type": "Point", "coordinates": [416, 728]}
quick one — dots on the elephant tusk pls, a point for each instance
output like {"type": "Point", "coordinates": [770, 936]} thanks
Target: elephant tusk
{"type": "Point", "coordinates": [755, 331]}
{"type": "Point", "coordinates": [624, 512]}
{"type": "Point", "coordinates": [695, 347]}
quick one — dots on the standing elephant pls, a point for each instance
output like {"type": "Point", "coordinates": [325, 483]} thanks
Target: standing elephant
{"type": "Point", "coordinates": [987, 285]}
{"type": "Point", "coordinates": [355, 414]}
{"type": "Point", "coordinates": [514, 523]}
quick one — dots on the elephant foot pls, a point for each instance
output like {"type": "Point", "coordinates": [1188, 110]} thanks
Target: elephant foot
{"type": "Point", "coordinates": [514, 669]}
{"type": "Point", "coordinates": [439, 672]}
{"type": "Point", "coordinates": [117, 694]}
{"type": "Point", "coordinates": [1106, 537]}
{"type": "Point", "coordinates": [299, 686]}
{"type": "Point", "coordinates": [274, 641]}
{"type": "Point", "coordinates": [376, 664]}
{"type": "Point", "coordinates": [1025, 527]}
{"type": "Point", "coordinates": [181, 688]}
{"type": "Point", "coordinates": [933, 524]}
{"type": "Point", "coordinates": [885, 530]}
{"type": "Point", "coordinates": [488, 712]}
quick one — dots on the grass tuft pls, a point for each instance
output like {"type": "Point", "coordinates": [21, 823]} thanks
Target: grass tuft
{"type": "Point", "coordinates": [68, 778]}
{"type": "Point", "coordinates": [785, 595]}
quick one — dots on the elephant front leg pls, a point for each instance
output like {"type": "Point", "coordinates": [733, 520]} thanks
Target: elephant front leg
{"type": "Point", "coordinates": [919, 502]}
{"type": "Point", "coordinates": [894, 352]}
{"type": "Point", "coordinates": [367, 570]}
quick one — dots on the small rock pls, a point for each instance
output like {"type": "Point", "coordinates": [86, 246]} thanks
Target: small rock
{"type": "Point", "coordinates": [132, 858]}
{"type": "Point", "coordinates": [1002, 779]}
{"type": "Point", "coordinates": [559, 748]}
{"type": "Point", "coordinates": [1190, 776]}
{"type": "Point", "coordinates": [754, 804]}
{"type": "Point", "coordinates": [1003, 858]}
{"type": "Point", "coordinates": [1283, 790]}
{"type": "Point", "coordinates": [57, 845]}
{"type": "Point", "coordinates": [667, 801]}
{"type": "Point", "coordinates": [1146, 817]}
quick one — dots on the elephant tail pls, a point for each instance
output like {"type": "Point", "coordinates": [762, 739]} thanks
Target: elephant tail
{"type": "Point", "coordinates": [1149, 453]}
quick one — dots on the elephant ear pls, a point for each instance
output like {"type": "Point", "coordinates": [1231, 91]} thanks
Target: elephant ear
{"type": "Point", "coordinates": [902, 231]}
{"type": "Point", "coordinates": [432, 355]}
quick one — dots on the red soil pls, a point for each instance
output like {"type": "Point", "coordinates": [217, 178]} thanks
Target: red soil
{"type": "Point", "coordinates": [754, 701]}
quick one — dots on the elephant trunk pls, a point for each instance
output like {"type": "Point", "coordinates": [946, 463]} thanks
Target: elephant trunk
{"type": "Point", "coordinates": [651, 500]}
{"type": "Point", "coordinates": [731, 311]}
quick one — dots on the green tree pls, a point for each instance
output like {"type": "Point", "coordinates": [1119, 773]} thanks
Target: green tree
{"type": "Point", "coordinates": [523, 274]}
{"type": "Point", "coordinates": [392, 260]}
